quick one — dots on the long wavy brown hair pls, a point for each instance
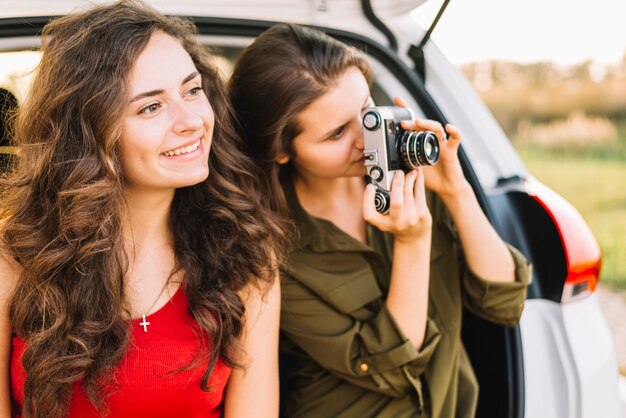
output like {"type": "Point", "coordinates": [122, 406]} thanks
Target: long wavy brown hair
{"type": "Point", "coordinates": [61, 206]}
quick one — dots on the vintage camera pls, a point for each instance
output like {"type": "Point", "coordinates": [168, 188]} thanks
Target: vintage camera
{"type": "Point", "coordinates": [388, 147]}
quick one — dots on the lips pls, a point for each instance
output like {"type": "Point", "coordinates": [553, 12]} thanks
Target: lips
{"type": "Point", "coordinates": [185, 149]}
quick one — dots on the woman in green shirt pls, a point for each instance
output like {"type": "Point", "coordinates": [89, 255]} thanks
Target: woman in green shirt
{"type": "Point", "coordinates": [372, 304]}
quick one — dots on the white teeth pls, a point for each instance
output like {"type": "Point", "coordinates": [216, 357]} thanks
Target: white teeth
{"type": "Point", "coordinates": [182, 150]}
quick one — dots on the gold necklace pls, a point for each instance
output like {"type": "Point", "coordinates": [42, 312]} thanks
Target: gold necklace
{"type": "Point", "coordinates": [145, 323]}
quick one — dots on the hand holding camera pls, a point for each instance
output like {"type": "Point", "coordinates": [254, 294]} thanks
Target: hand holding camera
{"type": "Point", "coordinates": [445, 178]}
{"type": "Point", "coordinates": [409, 219]}
{"type": "Point", "coordinates": [389, 148]}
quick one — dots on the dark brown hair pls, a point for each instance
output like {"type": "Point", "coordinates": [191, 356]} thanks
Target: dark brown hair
{"type": "Point", "coordinates": [61, 207]}
{"type": "Point", "coordinates": [281, 73]}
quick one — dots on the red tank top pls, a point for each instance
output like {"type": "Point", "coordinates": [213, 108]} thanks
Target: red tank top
{"type": "Point", "coordinates": [144, 383]}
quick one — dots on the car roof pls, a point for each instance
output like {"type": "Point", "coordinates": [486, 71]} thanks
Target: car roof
{"type": "Point", "coordinates": [301, 10]}
{"type": "Point", "coordinates": [339, 14]}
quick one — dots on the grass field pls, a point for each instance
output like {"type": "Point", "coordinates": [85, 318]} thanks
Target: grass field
{"type": "Point", "coordinates": [594, 181]}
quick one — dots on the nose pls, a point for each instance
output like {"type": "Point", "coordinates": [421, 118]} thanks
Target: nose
{"type": "Point", "coordinates": [186, 118]}
{"type": "Point", "coordinates": [359, 142]}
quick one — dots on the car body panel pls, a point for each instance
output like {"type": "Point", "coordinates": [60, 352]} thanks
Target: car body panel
{"type": "Point", "coordinates": [569, 362]}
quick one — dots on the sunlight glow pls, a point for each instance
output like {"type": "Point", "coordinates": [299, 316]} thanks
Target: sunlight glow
{"type": "Point", "coordinates": [563, 31]}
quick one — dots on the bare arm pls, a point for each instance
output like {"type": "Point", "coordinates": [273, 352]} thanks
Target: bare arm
{"type": "Point", "coordinates": [8, 279]}
{"type": "Point", "coordinates": [253, 391]}
{"type": "Point", "coordinates": [485, 253]}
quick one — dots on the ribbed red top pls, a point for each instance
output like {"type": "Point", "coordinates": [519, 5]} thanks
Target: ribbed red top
{"type": "Point", "coordinates": [145, 385]}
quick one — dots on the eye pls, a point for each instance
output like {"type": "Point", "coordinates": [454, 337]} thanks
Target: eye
{"type": "Point", "coordinates": [151, 108]}
{"type": "Point", "coordinates": [194, 91]}
{"type": "Point", "coordinates": [338, 133]}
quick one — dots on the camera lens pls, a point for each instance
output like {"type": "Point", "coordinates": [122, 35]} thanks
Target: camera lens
{"type": "Point", "coordinates": [418, 148]}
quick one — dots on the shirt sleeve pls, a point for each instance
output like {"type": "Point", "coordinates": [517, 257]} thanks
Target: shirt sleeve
{"type": "Point", "coordinates": [363, 347]}
{"type": "Point", "coordinates": [499, 302]}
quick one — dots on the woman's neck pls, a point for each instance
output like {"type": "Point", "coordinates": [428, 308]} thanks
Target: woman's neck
{"type": "Point", "coordinates": [338, 200]}
{"type": "Point", "coordinates": [149, 246]}
{"type": "Point", "coordinates": [146, 218]}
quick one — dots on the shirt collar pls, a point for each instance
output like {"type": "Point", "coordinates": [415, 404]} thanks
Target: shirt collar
{"type": "Point", "coordinates": [319, 235]}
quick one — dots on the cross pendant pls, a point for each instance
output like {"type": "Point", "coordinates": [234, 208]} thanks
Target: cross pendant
{"type": "Point", "coordinates": [144, 323]}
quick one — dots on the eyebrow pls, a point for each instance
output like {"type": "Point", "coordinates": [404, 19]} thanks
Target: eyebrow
{"type": "Point", "coordinates": [160, 91]}
{"type": "Point", "coordinates": [332, 131]}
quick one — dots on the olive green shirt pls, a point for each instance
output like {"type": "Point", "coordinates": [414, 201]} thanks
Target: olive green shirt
{"type": "Point", "coordinates": [342, 353]}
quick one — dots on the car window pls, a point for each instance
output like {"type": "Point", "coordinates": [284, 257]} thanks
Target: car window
{"type": "Point", "coordinates": [18, 67]}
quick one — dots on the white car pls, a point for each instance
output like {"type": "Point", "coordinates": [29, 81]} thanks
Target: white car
{"type": "Point", "coordinates": [559, 362]}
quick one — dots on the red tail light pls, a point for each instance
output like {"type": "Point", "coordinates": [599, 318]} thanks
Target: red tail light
{"type": "Point", "coordinates": [582, 252]}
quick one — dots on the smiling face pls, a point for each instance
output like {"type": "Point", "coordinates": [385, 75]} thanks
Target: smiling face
{"type": "Point", "coordinates": [168, 125]}
{"type": "Point", "coordinates": [331, 142]}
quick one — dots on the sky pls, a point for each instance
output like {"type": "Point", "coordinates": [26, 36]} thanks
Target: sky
{"type": "Point", "coordinates": [563, 31]}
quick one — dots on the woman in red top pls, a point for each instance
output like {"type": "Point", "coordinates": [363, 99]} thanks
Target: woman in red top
{"type": "Point", "coordinates": [137, 267]}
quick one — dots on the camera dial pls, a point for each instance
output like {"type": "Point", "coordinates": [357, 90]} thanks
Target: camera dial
{"type": "Point", "coordinates": [376, 173]}
{"type": "Point", "coordinates": [371, 121]}
{"type": "Point", "coordinates": [381, 201]}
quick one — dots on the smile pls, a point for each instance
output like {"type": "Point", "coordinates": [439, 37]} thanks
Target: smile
{"type": "Point", "coordinates": [182, 150]}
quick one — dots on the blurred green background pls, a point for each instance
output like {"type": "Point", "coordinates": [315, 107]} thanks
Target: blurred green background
{"type": "Point", "coordinates": [569, 125]}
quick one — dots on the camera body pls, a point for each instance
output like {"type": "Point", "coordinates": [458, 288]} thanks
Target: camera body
{"type": "Point", "coordinates": [389, 148]}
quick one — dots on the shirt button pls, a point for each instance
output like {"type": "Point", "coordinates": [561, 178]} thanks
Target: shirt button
{"type": "Point", "coordinates": [364, 367]}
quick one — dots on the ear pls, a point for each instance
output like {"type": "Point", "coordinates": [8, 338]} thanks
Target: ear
{"type": "Point", "coordinates": [282, 158]}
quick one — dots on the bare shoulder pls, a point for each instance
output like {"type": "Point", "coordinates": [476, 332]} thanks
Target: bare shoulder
{"type": "Point", "coordinates": [9, 274]}
{"type": "Point", "coordinates": [259, 294]}
{"type": "Point", "coordinates": [262, 291]}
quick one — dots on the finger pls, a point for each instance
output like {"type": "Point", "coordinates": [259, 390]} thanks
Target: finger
{"type": "Point", "coordinates": [396, 202]}
{"type": "Point", "coordinates": [399, 102]}
{"type": "Point", "coordinates": [454, 134]}
{"type": "Point", "coordinates": [409, 186]}
{"type": "Point", "coordinates": [425, 125]}
{"type": "Point", "coordinates": [368, 202]}
{"type": "Point", "coordinates": [402, 103]}
{"type": "Point", "coordinates": [370, 214]}
{"type": "Point", "coordinates": [419, 190]}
